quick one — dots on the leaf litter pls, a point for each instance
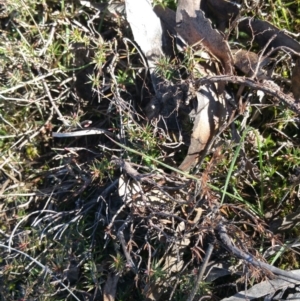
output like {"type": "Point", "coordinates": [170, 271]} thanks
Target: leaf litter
{"type": "Point", "coordinates": [168, 223]}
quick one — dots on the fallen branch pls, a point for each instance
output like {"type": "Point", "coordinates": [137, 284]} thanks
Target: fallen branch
{"type": "Point", "coordinates": [227, 242]}
{"type": "Point", "coordinates": [267, 86]}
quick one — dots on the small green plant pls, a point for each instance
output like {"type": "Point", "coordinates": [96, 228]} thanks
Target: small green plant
{"type": "Point", "coordinates": [101, 169]}
{"type": "Point", "coordinates": [156, 272]}
{"type": "Point", "coordinates": [118, 264]}
{"type": "Point", "coordinates": [186, 286]}
{"type": "Point", "coordinates": [124, 78]}
{"type": "Point", "coordinates": [167, 69]}
{"type": "Point", "coordinates": [166, 3]}
{"type": "Point", "coordinates": [143, 139]}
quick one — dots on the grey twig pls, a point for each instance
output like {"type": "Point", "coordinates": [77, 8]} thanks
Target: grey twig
{"type": "Point", "coordinates": [201, 272]}
{"type": "Point", "coordinates": [120, 235]}
{"type": "Point", "coordinates": [249, 258]}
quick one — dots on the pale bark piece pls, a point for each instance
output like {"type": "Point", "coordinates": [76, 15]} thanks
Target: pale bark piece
{"type": "Point", "coordinates": [146, 28]}
{"type": "Point", "coordinates": [264, 288]}
{"type": "Point", "coordinates": [209, 114]}
{"type": "Point", "coordinates": [262, 32]}
{"type": "Point", "coordinates": [194, 28]}
{"type": "Point", "coordinates": [147, 32]}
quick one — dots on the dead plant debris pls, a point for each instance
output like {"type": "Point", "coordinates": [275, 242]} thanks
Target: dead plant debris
{"type": "Point", "coordinates": [149, 150]}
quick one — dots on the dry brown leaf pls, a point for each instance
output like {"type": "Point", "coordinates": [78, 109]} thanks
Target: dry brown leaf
{"type": "Point", "coordinates": [199, 212]}
{"type": "Point", "coordinates": [209, 114]}
{"type": "Point", "coordinates": [224, 210]}
{"type": "Point", "coordinates": [193, 27]}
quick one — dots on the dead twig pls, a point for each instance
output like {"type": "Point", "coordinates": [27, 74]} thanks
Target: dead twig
{"type": "Point", "coordinates": [130, 262]}
{"type": "Point", "coordinates": [53, 104]}
{"type": "Point", "coordinates": [222, 231]}
{"type": "Point", "coordinates": [199, 278]}
{"type": "Point", "coordinates": [267, 86]}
